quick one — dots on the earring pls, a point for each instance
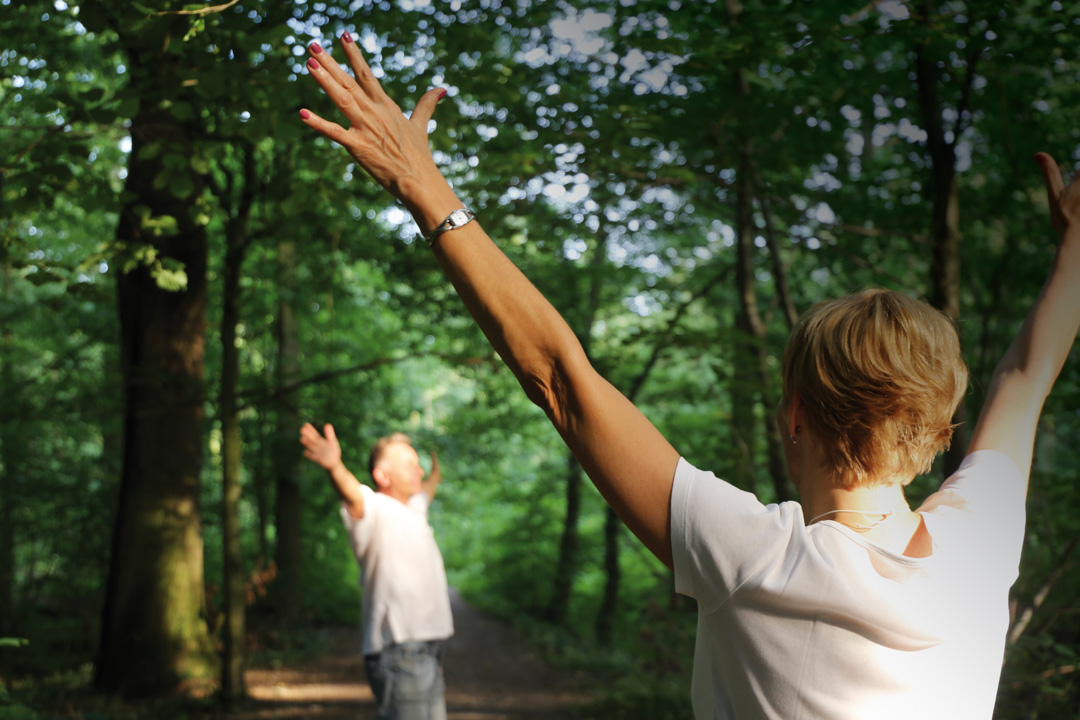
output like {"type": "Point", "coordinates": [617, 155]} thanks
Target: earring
{"type": "Point", "coordinates": [793, 440]}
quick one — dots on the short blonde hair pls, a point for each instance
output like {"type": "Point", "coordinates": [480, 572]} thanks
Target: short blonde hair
{"type": "Point", "coordinates": [380, 445]}
{"type": "Point", "coordinates": [880, 375]}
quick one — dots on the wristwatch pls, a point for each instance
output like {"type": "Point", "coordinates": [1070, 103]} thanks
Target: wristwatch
{"type": "Point", "coordinates": [456, 220]}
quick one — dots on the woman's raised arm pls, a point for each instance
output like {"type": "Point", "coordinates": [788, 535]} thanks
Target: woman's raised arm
{"type": "Point", "coordinates": [1031, 365]}
{"type": "Point", "coordinates": [630, 462]}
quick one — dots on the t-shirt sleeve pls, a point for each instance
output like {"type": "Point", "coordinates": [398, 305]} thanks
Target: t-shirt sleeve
{"type": "Point", "coordinates": [360, 530]}
{"type": "Point", "coordinates": [722, 536]}
{"type": "Point", "coordinates": [981, 508]}
{"type": "Point", "coordinates": [420, 502]}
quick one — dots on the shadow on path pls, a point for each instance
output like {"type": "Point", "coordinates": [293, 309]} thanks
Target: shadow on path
{"type": "Point", "coordinates": [491, 674]}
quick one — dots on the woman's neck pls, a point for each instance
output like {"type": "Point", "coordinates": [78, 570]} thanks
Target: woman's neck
{"type": "Point", "coordinates": [879, 513]}
{"type": "Point", "coordinates": [855, 504]}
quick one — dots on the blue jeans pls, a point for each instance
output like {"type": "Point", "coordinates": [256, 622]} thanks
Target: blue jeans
{"type": "Point", "coordinates": [407, 679]}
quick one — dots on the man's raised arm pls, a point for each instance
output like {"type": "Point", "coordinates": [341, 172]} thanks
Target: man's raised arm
{"type": "Point", "coordinates": [1030, 367]}
{"type": "Point", "coordinates": [630, 462]}
{"type": "Point", "coordinates": [431, 483]}
{"type": "Point", "coordinates": [325, 451]}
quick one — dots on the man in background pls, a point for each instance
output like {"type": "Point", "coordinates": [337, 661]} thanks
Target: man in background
{"type": "Point", "coordinates": [406, 601]}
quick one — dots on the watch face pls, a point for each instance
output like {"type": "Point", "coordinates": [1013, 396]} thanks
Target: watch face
{"type": "Point", "coordinates": [458, 217]}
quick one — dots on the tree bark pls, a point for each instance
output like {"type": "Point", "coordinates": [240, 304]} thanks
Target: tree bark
{"type": "Point", "coordinates": [234, 579]}
{"type": "Point", "coordinates": [286, 447]}
{"type": "Point", "coordinates": [751, 351]}
{"type": "Point", "coordinates": [613, 575]}
{"type": "Point", "coordinates": [566, 567]}
{"type": "Point", "coordinates": [748, 327]}
{"type": "Point", "coordinates": [154, 635]}
{"type": "Point", "coordinates": [945, 214]}
{"type": "Point", "coordinates": [10, 451]}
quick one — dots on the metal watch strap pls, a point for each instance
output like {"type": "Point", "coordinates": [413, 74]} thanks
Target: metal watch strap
{"type": "Point", "coordinates": [456, 220]}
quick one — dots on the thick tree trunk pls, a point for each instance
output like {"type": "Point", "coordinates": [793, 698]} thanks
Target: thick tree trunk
{"type": "Point", "coordinates": [286, 447]}
{"type": "Point", "coordinates": [154, 635]}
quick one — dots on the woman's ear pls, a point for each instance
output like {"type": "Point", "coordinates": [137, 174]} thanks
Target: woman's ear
{"type": "Point", "coordinates": [796, 417]}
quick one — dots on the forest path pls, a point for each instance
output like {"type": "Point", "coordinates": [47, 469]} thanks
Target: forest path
{"type": "Point", "coordinates": [491, 674]}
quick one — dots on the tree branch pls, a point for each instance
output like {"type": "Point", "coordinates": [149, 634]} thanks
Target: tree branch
{"type": "Point", "coordinates": [1022, 623]}
{"type": "Point", "coordinates": [779, 271]}
{"type": "Point", "coordinates": [261, 395]}
{"type": "Point", "coordinates": [202, 11]}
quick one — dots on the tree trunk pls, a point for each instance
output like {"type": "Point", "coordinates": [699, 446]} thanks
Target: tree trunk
{"type": "Point", "coordinates": [612, 523]}
{"type": "Point", "coordinates": [10, 450]}
{"type": "Point", "coordinates": [154, 635]}
{"type": "Point", "coordinates": [233, 581]}
{"type": "Point", "coordinates": [566, 568]}
{"type": "Point", "coordinates": [945, 216]}
{"type": "Point", "coordinates": [609, 604]}
{"type": "Point", "coordinates": [286, 445]}
{"type": "Point", "coordinates": [744, 425]}
{"type": "Point", "coordinates": [751, 351]}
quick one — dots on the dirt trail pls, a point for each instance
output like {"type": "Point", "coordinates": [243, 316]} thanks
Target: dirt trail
{"type": "Point", "coordinates": [490, 675]}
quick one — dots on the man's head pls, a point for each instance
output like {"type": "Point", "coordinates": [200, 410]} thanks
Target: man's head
{"type": "Point", "coordinates": [879, 375]}
{"type": "Point", "coordinates": [395, 467]}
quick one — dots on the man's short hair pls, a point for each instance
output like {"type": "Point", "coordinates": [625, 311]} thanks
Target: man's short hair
{"type": "Point", "coordinates": [880, 374]}
{"type": "Point", "coordinates": [380, 445]}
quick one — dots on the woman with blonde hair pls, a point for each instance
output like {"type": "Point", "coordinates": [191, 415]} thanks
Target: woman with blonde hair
{"type": "Point", "coordinates": [849, 604]}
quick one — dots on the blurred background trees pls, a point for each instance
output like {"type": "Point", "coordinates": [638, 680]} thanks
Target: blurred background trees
{"type": "Point", "coordinates": [188, 274]}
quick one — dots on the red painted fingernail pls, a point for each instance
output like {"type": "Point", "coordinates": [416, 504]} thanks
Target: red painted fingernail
{"type": "Point", "coordinates": [442, 94]}
{"type": "Point", "coordinates": [305, 114]}
{"type": "Point", "coordinates": [315, 48]}
{"type": "Point", "coordinates": [347, 37]}
{"type": "Point", "coordinates": [313, 63]}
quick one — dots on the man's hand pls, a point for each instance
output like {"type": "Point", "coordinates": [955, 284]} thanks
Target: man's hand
{"type": "Point", "coordinates": [434, 478]}
{"type": "Point", "coordinates": [323, 451]}
{"type": "Point", "coordinates": [326, 453]}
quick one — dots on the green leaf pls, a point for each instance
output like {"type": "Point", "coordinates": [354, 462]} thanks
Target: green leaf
{"type": "Point", "coordinates": [92, 95]}
{"type": "Point", "coordinates": [182, 111]}
{"type": "Point", "coordinates": [40, 275]}
{"type": "Point", "coordinates": [128, 107]}
{"type": "Point", "coordinates": [182, 186]}
{"type": "Point", "coordinates": [160, 225]}
{"type": "Point", "coordinates": [169, 275]}
{"type": "Point", "coordinates": [200, 164]}
{"type": "Point", "coordinates": [150, 150]}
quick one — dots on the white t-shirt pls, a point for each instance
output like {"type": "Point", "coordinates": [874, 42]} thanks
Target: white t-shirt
{"type": "Point", "coordinates": [405, 595]}
{"type": "Point", "coordinates": [798, 622]}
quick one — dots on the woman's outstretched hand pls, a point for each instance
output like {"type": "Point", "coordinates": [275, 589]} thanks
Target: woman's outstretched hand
{"type": "Point", "coordinates": [392, 148]}
{"type": "Point", "coordinates": [1064, 199]}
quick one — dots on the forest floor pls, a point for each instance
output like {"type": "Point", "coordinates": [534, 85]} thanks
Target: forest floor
{"type": "Point", "coordinates": [491, 674]}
